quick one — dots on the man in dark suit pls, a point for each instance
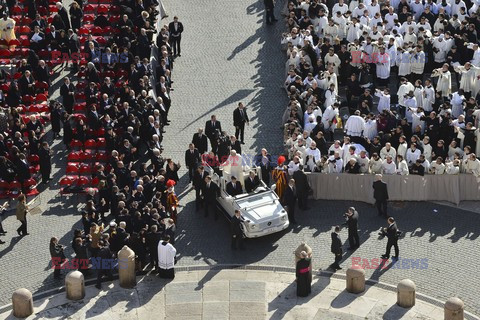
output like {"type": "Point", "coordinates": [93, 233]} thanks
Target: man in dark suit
{"type": "Point", "coordinates": [38, 22]}
{"type": "Point", "coordinates": [264, 160]}
{"type": "Point", "coordinates": [192, 159]}
{"type": "Point", "coordinates": [289, 200]}
{"type": "Point", "coordinates": [62, 12]}
{"type": "Point", "coordinates": [199, 185]}
{"type": "Point", "coordinates": [269, 7]}
{"type": "Point", "coordinates": [45, 163]}
{"type": "Point", "coordinates": [73, 47]}
{"type": "Point", "coordinates": [212, 130]}
{"type": "Point", "coordinates": [392, 234]}
{"type": "Point", "coordinates": [93, 118]}
{"type": "Point", "coordinates": [26, 84]}
{"type": "Point", "coordinates": [336, 248]}
{"type": "Point", "coordinates": [104, 253]}
{"type": "Point", "coordinates": [52, 37]}
{"type": "Point", "coordinates": [67, 91]}
{"type": "Point", "coordinates": [301, 183]}
{"type": "Point", "coordinates": [252, 182]}
{"type": "Point", "coordinates": [200, 141]}
{"type": "Point", "coordinates": [42, 74]}
{"type": "Point", "coordinates": [175, 28]}
{"type": "Point", "coordinates": [234, 187]}
{"type": "Point", "coordinates": [152, 239]}
{"type": "Point", "coordinates": [237, 232]}
{"type": "Point", "coordinates": [235, 145]}
{"type": "Point", "coordinates": [210, 193]}
{"type": "Point", "coordinates": [352, 224]}
{"type": "Point", "coordinates": [240, 117]}
{"type": "Point", "coordinates": [380, 193]}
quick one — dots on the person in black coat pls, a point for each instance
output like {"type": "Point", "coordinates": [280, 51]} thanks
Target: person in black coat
{"type": "Point", "coordinates": [76, 15]}
{"type": "Point", "coordinates": [175, 28]}
{"type": "Point", "coordinates": [380, 193]}
{"type": "Point", "coordinates": [200, 141]}
{"type": "Point", "coordinates": [269, 8]}
{"type": "Point", "coordinates": [199, 185]}
{"type": "Point", "coordinates": [234, 187]}
{"type": "Point", "coordinates": [152, 239]}
{"type": "Point", "coordinates": [26, 84]}
{"type": "Point", "coordinates": [301, 183]}
{"type": "Point", "coordinates": [45, 164]}
{"type": "Point", "coordinates": [352, 166]}
{"type": "Point", "coordinates": [210, 193]}
{"type": "Point", "coordinates": [62, 12]}
{"type": "Point", "coordinates": [290, 199]}
{"type": "Point", "coordinates": [304, 280]}
{"type": "Point", "coordinates": [81, 253]}
{"type": "Point", "coordinates": [56, 114]}
{"type": "Point", "coordinates": [58, 257]}
{"type": "Point", "coordinates": [336, 248]}
{"type": "Point", "coordinates": [392, 235]}
{"type": "Point", "coordinates": [264, 161]}
{"type": "Point", "coordinates": [237, 232]}
{"type": "Point", "coordinates": [73, 47]}
{"type": "Point", "coordinates": [252, 182]}
{"type": "Point", "coordinates": [240, 118]}
{"type": "Point", "coordinates": [192, 159]}
{"type": "Point", "coordinates": [352, 224]}
{"type": "Point", "coordinates": [235, 145]}
{"type": "Point", "coordinates": [213, 128]}
{"type": "Point", "coordinates": [104, 253]}
{"type": "Point", "coordinates": [67, 91]}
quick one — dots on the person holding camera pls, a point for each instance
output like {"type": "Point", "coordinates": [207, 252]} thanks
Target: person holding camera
{"type": "Point", "coordinates": [352, 225]}
{"type": "Point", "coordinates": [392, 234]}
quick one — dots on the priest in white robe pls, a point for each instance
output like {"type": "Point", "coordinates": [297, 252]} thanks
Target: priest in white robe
{"type": "Point", "coordinates": [355, 125]}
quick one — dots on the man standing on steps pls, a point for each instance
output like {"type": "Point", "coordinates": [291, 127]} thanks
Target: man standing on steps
{"type": "Point", "coordinates": [269, 7]}
{"type": "Point", "coordinates": [240, 117]}
{"type": "Point", "coordinates": [176, 28]}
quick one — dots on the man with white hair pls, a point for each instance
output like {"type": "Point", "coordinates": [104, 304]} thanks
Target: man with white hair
{"type": "Point", "coordinates": [313, 155]}
{"type": "Point", "coordinates": [335, 163]}
{"type": "Point", "coordinates": [388, 150]}
{"type": "Point", "coordinates": [389, 166]}
{"type": "Point", "coordinates": [355, 125]}
{"type": "Point", "coordinates": [472, 165]}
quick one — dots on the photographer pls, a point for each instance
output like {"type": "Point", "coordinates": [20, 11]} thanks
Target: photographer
{"type": "Point", "coordinates": [352, 223]}
{"type": "Point", "coordinates": [392, 234]}
{"type": "Point", "coordinates": [58, 257]}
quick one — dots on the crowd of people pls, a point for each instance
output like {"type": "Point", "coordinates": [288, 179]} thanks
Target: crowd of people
{"type": "Point", "coordinates": [398, 81]}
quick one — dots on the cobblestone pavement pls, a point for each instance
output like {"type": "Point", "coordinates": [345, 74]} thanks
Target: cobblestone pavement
{"type": "Point", "coordinates": [228, 55]}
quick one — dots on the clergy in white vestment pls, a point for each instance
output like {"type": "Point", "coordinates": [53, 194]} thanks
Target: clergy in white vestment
{"type": "Point", "coordinates": [375, 164]}
{"type": "Point", "coordinates": [403, 90]}
{"type": "Point", "coordinates": [313, 155]}
{"type": "Point", "coordinates": [444, 84]}
{"type": "Point", "coordinates": [411, 106]}
{"type": "Point", "coordinates": [335, 163]}
{"type": "Point", "coordinates": [336, 147]}
{"type": "Point", "coordinates": [428, 98]}
{"type": "Point", "coordinates": [413, 154]}
{"type": "Point", "coordinates": [328, 117]}
{"type": "Point", "coordinates": [457, 103]}
{"type": "Point", "coordinates": [383, 67]}
{"type": "Point", "coordinates": [370, 130]}
{"type": "Point", "coordinates": [402, 167]}
{"type": "Point", "coordinates": [294, 165]}
{"type": "Point", "coordinates": [402, 147]}
{"type": "Point", "coordinates": [384, 102]}
{"type": "Point", "coordinates": [332, 59]}
{"type": "Point", "coordinates": [363, 162]}
{"type": "Point", "coordinates": [355, 125]}
{"type": "Point", "coordinates": [469, 74]}
{"type": "Point", "coordinates": [473, 165]}
{"type": "Point", "coordinates": [166, 259]}
{"type": "Point", "coordinates": [389, 166]}
{"type": "Point", "coordinates": [437, 167]}
{"type": "Point", "coordinates": [388, 150]}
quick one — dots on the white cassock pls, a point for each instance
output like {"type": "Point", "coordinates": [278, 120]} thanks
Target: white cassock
{"type": "Point", "coordinates": [364, 164]}
{"type": "Point", "coordinates": [292, 167]}
{"type": "Point", "coordinates": [166, 255]}
{"type": "Point", "coordinates": [428, 98]}
{"type": "Point", "coordinates": [389, 168]}
{"type": "Point", "coordinates": [383, 66]}
{"type": "Point", "coordinates": [329, 114]}
{"type": "Point", "coordinates": [313, 156]}
{"type": "Point", "coordinates": [402, 91]}
{"type": "Point", "coordinates": [335, 165]}
{"type": "Point", "coordinates": [370, 130]}
{"type": "Point", "coordinates": [234, 167]}
{"type": "Point", "coordinates": [355, 126]}
{"type": "Point", "coordinates": [457, 104]}
{"type": "Point", "coordinates": [444, 83]}
{"type": "Point", "coordinates": [334, 61]}
{"type": "Point", "coordinates": [384, 102]}
{"type": "Point", "coordinates": [403, 63]}
{"type": "Point", "coordinates": [436, 168]}
{"type": "Point", "coordinates": [354, 32]}
{"type": "Point", "coordinates": [333, 149]}
{"type": "Point", "coordinates": [411, 103]}
{"type": "Point", "coordinates": [416, 116]}
{"type": "Point", "coordinates": [469, 78]}
{"type": "Point", "coordinates": [330, 98]}
{"type": "Point", "coordinates": [418, 93]}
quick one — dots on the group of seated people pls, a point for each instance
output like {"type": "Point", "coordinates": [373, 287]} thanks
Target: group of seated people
{"type": "Point", "coordinates": [235, 188]}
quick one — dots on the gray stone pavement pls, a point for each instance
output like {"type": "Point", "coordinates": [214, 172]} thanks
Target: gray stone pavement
{"type": "Point", "coordinates": [232, 294]}
{"type": "Point", "coordinates": [229, 56]}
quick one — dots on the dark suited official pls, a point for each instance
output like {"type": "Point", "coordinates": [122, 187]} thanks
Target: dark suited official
{"type": "Point", "coordinates": [302, 186]}
{"type": "Point", "coordinates": [240, 118]}
{"type": "Point", "coordinates": [380, 193]}
{"type": "Point", "coordinates": [210, 193]}
{"type": "Point", "coordinates": [192, 159]}
{"type": "Point", "coordinates": [289, 200]}
{"type": "Point", "coordinates": [234, 187]}
{"type": "Point", "coordinates": [352, 224]}
{"type": "Point", "coordinates": [392, 235]}
{"type": "Point", "coordinates": [175, 28]}
{"type": "Point", "coordinates": [200, 141]}
{"type": "Point", "coordinates": [237, 232]}
{"type": "Point", "coordinates": [199, 185]}
{"type": "Point", "coordinates": [213, 129]}
{"type": "Point", "coordinates": [336, 248]}
{"type": "Point", "coordinates": [252, 182]}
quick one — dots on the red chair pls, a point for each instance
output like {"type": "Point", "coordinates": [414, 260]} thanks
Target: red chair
{"type": "Point", "coordinates": [5, 56]}
{"type": "Point", "coordinates": [26, 21]}
{"type": "Point", "coordinates": [90, 144]}
{"type": "Point", "coordinates": [25, 30]}
{"type": "Point", "coordinates": [80, 96]}
{"type": "Point", "coordinates": [72, 168]}
{"type": "Point", "coordinates": [14, 42]}
{"type": "Point", "coordinates": [97, 31]}
{"type": "Point", "coordinates": [76, 144]}
{"type": "Point", "coordinates": [83, 181]}
{"type": "Point", "coordinates": [52, 9]}
{"type": "Point", "coordinates": [88, 18]}
{"type": "Point", "coordinates": [41, 86]}
{"type": "Point", "coordinates": [95, 181]}
{"type": "Point", "coordinates": [5, 87]}
{"type": "Point", "coordinates": [15, 188]}
{"type": "Point", "coordinates": [102, 157]}
{"type": "Point", "coordinates": [101, 41]}
{"type": "Point", "coordinates": [39, 98]}
{"type": "Point", "coordinates": [100, 132]}
{"type": "Point", "coordinates": [4, 189]}
{"type": "Point", "coordinates": [17, 75]}
{"type": "Point", "coordinates": [74, 157]}
{"type": "Point", "coordinates": [79, 107]}
{"type": "Point", "coordinates": [81, 86]}
{"type": "Point", "coordinates": [85, 169]}
{"type": "Point", "coordinates": [66, 181]}
{"type": "Point", "coordinates": [31, 186]}
{"type": "Point", "coordinates": [83, 31]}
{"type": "Point", "coordinates": [103, 9]}
{"type": "Point", "coordinates": [89, 9]}
{"type": "Point", "coordinates": [16, 10]}
{"type": "Point", "coordinates": [101, 143]}
{"type": "Point", "coordinates": [28, 99]}
{"type": "Point", "coordinates": [87, 156]}
{"type": "Point", "coordinates": [33, 159]}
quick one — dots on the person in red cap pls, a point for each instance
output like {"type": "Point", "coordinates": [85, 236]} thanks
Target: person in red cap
{"type": "Point", "coordinates": [279, 175]}
{"type": "Point", "coordinates": [172, 200]}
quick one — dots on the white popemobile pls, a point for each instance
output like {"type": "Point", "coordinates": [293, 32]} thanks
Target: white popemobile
{"type": "Point", "coordinates": [261, 209]}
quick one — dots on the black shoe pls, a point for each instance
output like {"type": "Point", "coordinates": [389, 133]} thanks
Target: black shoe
{"type": "Point", "coordinates": [3, 232]}
{"type": "Point", "coordinates": [179, 55]}
{"type": "Point", "coordinates": [98, 286]}
{"type": "Point", "coordinates": [2, 242]}
{"type": "Point", "coordinates": [26, 234]}
{"type": "Point", "coordinates": [338, 268]}
{"type": "Point", "coordinates": [384, 256]}
{"type": "Point", "coordinates": [19, 233]}
{"type": "Point", "coordinates": [242, 142]}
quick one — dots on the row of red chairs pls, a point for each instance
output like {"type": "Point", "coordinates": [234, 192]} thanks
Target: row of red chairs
{"type": "Point", "coordinates": [101, 9]}
{"type": "Point", "coordinates": [99, 143]}
{"type": "Point", "coordinates": [87, 156]}
{"type": "Point", "coordinates": [79, 181]}
{"type": "Point", "coordinates": [82, 169]}
{"type": "Point", "coordinates": [14, 188]}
